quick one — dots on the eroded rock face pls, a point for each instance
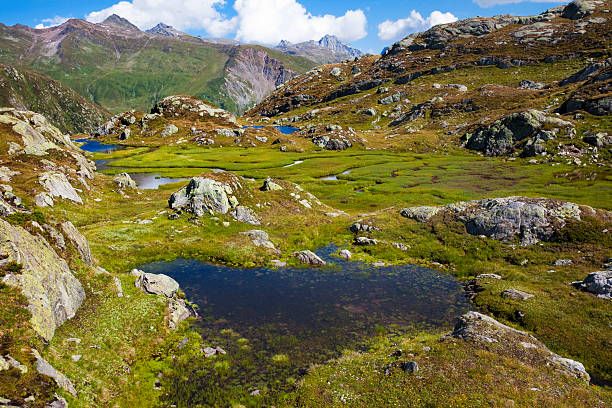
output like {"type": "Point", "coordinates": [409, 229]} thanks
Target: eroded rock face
{"type": "Point", "coordinates": [501, 136]}
{"type": "Point", "coordinates": [203, 196]}
{"type": "Point", "coordinates": [79, 241]}
{"type": "Point", "coordinates": [53, 293]}
{"type": "Point", "coordinates": [479, 328]}
{"type": "Point", "coordinates": [505, 219]}
{"type": "Point", "coordinates": [58, 186]}
{"type": "Point", "coordinates": [124, 180]}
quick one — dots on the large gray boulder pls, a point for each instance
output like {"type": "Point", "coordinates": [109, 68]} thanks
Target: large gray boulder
{"type": "Point", "coordinates": [79, 241]}
{"type": "Point", "coordinates": [501, 136]}
{"type": "Point", "coordinates": [578, 9]}
{"type": "Point", "coordinates": [599, 283]}
{"type": "Point", "coordinates": [156, 284]}
{"type": "Point", "coordinates": [481, 329]}
{"type": "Point", "coordinates": [203, 196]}
{"type": "Point", "coordinates": [124, 180]}
{"type": "Point", "coordinates": [245, 214]}
{"type": "Point", "coordinates": [529, 219]}
{"type": "Point", "coordinates": [53, 293]}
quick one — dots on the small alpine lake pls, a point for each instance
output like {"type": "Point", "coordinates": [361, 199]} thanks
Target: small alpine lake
{"type": "Point", "coordinates": [275, 323]}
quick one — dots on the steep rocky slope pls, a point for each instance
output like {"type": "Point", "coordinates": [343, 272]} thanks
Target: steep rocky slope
{"type": "Point", "coordinates": [327, 50]}
{"type": "Point", "coordinates": [118, 66]}
{"type": "Point", "coordinates": [69, 111]}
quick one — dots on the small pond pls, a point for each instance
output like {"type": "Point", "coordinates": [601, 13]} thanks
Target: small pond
{"type": "Point", "coordinates": [274, 323]}
{"type": "Point", "coordinates": [96, 146]}
{"type": "Point", "coordinates": [285, 130]}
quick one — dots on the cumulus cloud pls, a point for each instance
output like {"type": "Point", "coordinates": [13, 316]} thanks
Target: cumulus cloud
{"type": "Point", "coordinates": [181, 14]}
{"type": "Point", "coordinates": [393, 30]}
{"type": "Point", "coordinates": [269, 21]}
{"type": "Point", "coordinates": [490, 3]}
{"type": "Point", "coordinates": [260, 21]}
{"type": "Point", "coordinates": [51, 22]}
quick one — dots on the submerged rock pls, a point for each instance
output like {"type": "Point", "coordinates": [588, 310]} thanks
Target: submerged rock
{"type": "Point", "coordinates": [53, 293]}
{"type": "Point", "coordinates": [309, 258]}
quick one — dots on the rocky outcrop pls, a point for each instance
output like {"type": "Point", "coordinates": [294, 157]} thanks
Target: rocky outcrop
{"type": "Point", "coordinates": [598, 283]}
{"type": "Point", "coordinates": [245, 214]}
{"type": "Point", "coordinates": [327, 50]}
{"type": "Point", "coordinates": [79, 241]}
{"type": "Point", "coordinates": [478, 328]}
{"type": "Point", "coordinates": [270, 185]}
{"type": "Point", "coordinates": [57, 185]}
{"type": "Point", "coordinates": [309, 258]}
{"type": "Point", "coordinates": [504, 135]}
{"type": "Point", "coordinates": [204, 196]}
{"type": "Point", "coordinates": [53, 293]}
{"type": "Point", "coordinates": [44, 368]}
{"type": "Point", "coordinates": [505, 219]}
{"type": "Point", "coordinates": [593, 95]}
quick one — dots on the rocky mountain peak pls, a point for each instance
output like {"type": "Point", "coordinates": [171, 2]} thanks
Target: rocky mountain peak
{"type": "Point", "coordinates": [332, 42]}
{"type": "Point", "coordinates": [165, 30]}
{"type": "Point", "coordinates": [284, 44]}
{"type": "Point", "coordinates": [119, 22]}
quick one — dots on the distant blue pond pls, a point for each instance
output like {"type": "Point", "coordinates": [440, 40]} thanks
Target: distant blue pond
{"type": "Point", "coordinates": [285, 130]}
{"type": "Point", "coordinates": [95, 146]}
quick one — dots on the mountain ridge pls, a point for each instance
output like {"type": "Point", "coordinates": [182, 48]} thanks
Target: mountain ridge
{"type": "Point", "coordinates": [329, 49]}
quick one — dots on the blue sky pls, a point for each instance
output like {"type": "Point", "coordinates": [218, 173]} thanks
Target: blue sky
{"type": "Point", "coordinates": [366, 24]}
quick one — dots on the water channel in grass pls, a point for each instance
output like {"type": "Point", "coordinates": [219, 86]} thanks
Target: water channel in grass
{"type": "Point", "coordinates": [274, 323]}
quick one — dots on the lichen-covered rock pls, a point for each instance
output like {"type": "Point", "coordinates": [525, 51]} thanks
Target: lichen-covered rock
{"type": "Point", "coordinates": [169, 130]}
{"type": "Point", "coordinates": [420, 214]}
{"type": "Point", "coordinates": [58, 186]}
{"type": "Point", "coordinates": [479, 328]}
{"type": "Point", "coordinates": [53, 293]}
{"type": "Point", "coordinates": [79, 241]}
{"type": "Point", "coordinates": [178, 312]}
{"type": "Point", "coordinates": [43, 200]}
{"type": "Point", "coordinates": [269, 185]}
{"type": "Point", "coordinates": [44, 368]}
{"type": "Point", "coordinates": [516, 294]}
{"type": "Point", "coordinates": [260, 238]}
{"type": "Point", "coordinates": [124, 180]}
{"type": "Point", "coordinates": [309, 258]}
{"type": "Point", "coordinates": [598, 283]}
{"type": "Point", "coordinates": [502, 135]}
{"type": "Point", "coordinates": [202, 196]}
{"type": "Point", "coordinates": [505, 219]}
{"type": "Point", "coordinates": [245, 214]}
{"type": "Point", "coordinates": [156, 284]}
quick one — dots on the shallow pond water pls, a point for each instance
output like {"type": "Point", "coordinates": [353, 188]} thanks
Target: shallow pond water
{"type": "Point", "coordinates": [289, 318]}
{"type": "Point", "coordinates": [285, 130]}
{"type": "Point", "coordinates": [95, 146]}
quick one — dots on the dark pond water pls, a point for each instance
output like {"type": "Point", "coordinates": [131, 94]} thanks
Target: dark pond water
{"type": "Point", "coordinates": [285, 130]}
{"type": "Point", "coordinates": [275, 322]}
{"type": "Point", "coordinates": [95, 146]}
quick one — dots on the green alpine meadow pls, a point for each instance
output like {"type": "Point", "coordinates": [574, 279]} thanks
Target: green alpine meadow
{"type": "Point", "coordinates": [204, 222]}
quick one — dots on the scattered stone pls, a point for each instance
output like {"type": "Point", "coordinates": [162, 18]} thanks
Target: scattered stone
{"type": "Point", "coordinates": [178, 312]}
{"type": "Point", "coordinates": [182, 343]}
{"type": "Point", "coordinates": [202, 196]}
{"type": "Point", "coordinates": [410, 367]}
{"type": "Point", "coordinates": [76, 357]}
{"type": "Point", "coordinates": [309, 258]}
{"type": "Point", "coordinates": [117, 283]}
{"type": "Point", "coordinates": [563, 262]}
{"type": "Point", "coordinates": [260, 238]}
{"type": "Point", "coordinates": [336, 72]}
{"type": "Point", "coordinates": [58, 403]}
{"type": "Point", "coordinates": [516, 294]}
{"type": "Point", "coordinates": [400, 246]}
{"type": "Point", "coordinates": [364, 241]}
{"type": "Point", "coordinates": [420, 214]}
{"type": "Point", "coordinates": [345, 254]}
{"type": "Point", "coordinates": [488, 276]}
{"type": "Point", "coordinates": [370, 112]}
{"type": "Point", "coordinates": [245, 214]}
{"type": "Point", "coordinates": [23, 369]}
{"type": "Point", "coordinates": [58, 186]}
{"type": "Point", "coordinates": [278, 263]}
{"type": "Point", "coordinates": [527, 84]}
{"type": "Point", "coordinates": [43, 200]}
{"type": "Point", "coordinates": [359, 227]}
{"type": "Point", "coordinates": [169, 130]}
{"type": "Point", "coordinates": [4, 365]}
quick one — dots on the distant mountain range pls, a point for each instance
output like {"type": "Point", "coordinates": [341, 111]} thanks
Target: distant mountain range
{"type": "Point", "coordinates": [327, 50]}
{"type": "Point", "coordinates": [116, 65]}
{"type": "Point", "coordinates": [120, 67]}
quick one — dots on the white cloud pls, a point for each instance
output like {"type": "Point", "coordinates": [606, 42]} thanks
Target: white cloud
{"type": "Point", "coordinates": [393, 30]}
{"type": "Point", "coordinates": [269, 21]}
{"type": "Point", "coordinates": [260, 21]}
{"type": "Point", "coordinates": [181, 14]}
{"type": "Point", "coordinates": [51, 22]}
{"type": "Point", "coordinates": [490, 3]}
